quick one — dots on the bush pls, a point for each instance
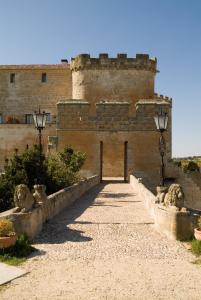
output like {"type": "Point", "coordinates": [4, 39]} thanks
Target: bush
{"type": "Point", "coordinates": [22, 247]}
{"type": "Point", "coordinates": [177, 163]}
{"type": "Point", "coordinates": [56, 172]}
{"type": "Point", "coordinates": [191, 166]}
{"type": "Point", "coordinates": [63, 167]}
{"type": "Point", "coordinates": [196, 247]}
{"type": "Point", "coordinates": [17, 254]}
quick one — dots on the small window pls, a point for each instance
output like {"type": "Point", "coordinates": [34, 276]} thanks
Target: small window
{"type": "Point", "coordinates": [1, 119]}
{"type": "Point", "coordinates": [12, 78]}
{"type": "Point", "coordinates": [48, 118]}
{"type": "Point", "coordinates": [44, 77]}
{"type": "Point", "coordinates": [29, 119]}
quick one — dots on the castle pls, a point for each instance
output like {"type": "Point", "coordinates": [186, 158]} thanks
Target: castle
{"type": "Point", "coordinates": [102, 106]}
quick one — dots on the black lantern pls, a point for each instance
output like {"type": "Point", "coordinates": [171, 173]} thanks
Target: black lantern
{"type": "Point", "coordinates": [39, 121]}
{"type": "Point", "coordinates": [161, 120]}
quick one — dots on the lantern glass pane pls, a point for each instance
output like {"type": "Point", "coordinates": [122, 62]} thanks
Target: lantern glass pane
{"type": "Point", "coordinates": [161, 120]}
{"type": "Point", "coordinates": [166, 121]}
{"type": "Point", "coordinates": [35, 120]}
{"type": "Point", "coordinates": [44, 119]}
{"type": "Point", "coordinates": [156, 122]}
{"type": "Point", "coordinates": [40, 120]}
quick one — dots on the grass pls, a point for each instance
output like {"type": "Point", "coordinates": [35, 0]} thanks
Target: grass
{"type": "Point", "coordinates": [3, 286]}
{"type": "Point", "coordinates": [196, 247]}
{"type": "Point", "coordinates": [18, 253]}
{"type": "Point", "coordinates": [11, 260]}
{"type": "Point", "coordinates": [197, 261]}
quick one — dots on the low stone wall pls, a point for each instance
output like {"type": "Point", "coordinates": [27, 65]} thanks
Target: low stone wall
{"type": "Point", "coordinates": [31, 223]}
{"type": "Point", "coordinates": [174, 224]}
{"type": "Point", "coordinates": [146, 196]}
{"type": "Point", "coordinates": [190, 182]}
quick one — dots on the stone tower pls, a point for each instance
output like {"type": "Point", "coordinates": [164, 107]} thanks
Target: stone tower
{"type": "Point", "coordinates": [103, 106]}
{"type": "Point", "coordinates": [113, 79]}
{"type": "Point", "coordinates": [111, 115]}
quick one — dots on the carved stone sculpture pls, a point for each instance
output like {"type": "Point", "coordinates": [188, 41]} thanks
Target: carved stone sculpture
{"type": "Point", "coordinates": [161, 192]}
{"type": "Point", "coordinates": [23, 199]}
{"type": "Point", "coordinates": [39, 193]}
{"type": "Point", "coordinates": [174, 196]}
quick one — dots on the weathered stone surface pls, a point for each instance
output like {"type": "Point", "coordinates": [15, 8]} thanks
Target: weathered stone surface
{"type": "Point", "coordinates": [31, 221]}
{"type": "Point", "coordinates": [174, 196]}
{"type": "Point", "coordinates": [161, 192]}
{"type": "Point", "coordinates": [105, 246]}
{"type": "Point", "coordinates": [108, 100]}
{"type": "Point", "coordinates": [39, 193]}
{"type": "Point", "coordinates": [175, 222]}
{"type": "Point", "coordinates": [23, 199]}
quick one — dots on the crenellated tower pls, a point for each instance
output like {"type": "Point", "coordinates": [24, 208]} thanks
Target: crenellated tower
{"type": "Point", "coordinates": [113, 79]}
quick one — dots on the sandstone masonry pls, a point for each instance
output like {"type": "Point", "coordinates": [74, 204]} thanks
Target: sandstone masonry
{"type": "Point", "coordinates": [102, 106]}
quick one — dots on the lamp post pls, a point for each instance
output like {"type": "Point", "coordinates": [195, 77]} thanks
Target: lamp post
{"type": "Point", "coordinates": [39, 121]}
{"type": "Point", "coordinates": [161, 120]}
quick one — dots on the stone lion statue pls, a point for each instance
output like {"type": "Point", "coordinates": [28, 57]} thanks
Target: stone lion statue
{"type": "Point", "coordinates": [39, 193]}
{"type": "Point", "coordinates": [23, 199]}
{"type": "Point", "coordinates": [174, 196]}
{"type": "Point", "coordinates": [161, 192]}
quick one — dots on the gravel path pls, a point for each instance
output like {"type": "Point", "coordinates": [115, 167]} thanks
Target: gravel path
{"type": "Point", "coordinates": [105, 247]}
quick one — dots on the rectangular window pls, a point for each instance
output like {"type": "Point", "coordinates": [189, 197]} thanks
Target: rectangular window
{"type": "Point", "coordinates": [12, 78]}
{"type": "Point", "coordinates": [48, 118]}
{"type": "Point", "coordinates": [29, 119]}
{"type": "Point", "coordinates": [44, 77]}
{"type": "Point", "coordinates": [1, 119]}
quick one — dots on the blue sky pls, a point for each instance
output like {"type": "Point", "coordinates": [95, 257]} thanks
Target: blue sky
{"type": "Point", "coordinates": [44, 31]}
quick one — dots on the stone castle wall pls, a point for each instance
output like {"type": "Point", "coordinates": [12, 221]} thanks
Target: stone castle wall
{"type": "Point", "coordinates": [18, 136]}
{"type": "Point", "coordinates": [108, 100]}
{"type": "Point", "coordinates": [113, 126]}
{"type": "Point", "coordinates": [28, 92]}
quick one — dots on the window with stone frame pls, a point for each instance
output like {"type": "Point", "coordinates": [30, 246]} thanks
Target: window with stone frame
{"type": "Point", "coordinates": [48, 118]}
{"type": "Point", "coordinates": [44, 77]}
{"type": "Point", "coordinates": [12, 78]}
{"type": "Point", "coordinates": [29, 119]}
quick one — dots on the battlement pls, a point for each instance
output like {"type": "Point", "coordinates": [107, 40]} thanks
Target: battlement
{"type": "Point", "coordinates": [162, 97]}
{"type": "Point", "coordinates": [140, 62]}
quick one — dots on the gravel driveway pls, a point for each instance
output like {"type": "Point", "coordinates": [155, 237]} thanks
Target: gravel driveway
{"type": "Point", "coordinates": [105, 247]}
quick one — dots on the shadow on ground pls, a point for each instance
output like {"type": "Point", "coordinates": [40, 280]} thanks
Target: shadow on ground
{"type": "Point", "coordinates": [56, 230]}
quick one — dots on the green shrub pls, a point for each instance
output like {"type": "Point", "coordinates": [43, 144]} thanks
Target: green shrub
{"type": "Point", "coordinates": [56, 172]}
{"type": "Point", "coordinates": [177, 163]}
{"type": "Point", "coordinates": [18, 253]}
{"type": "Point", "coordinates": [63, 167]}
{"type": "Point", "coordinates": [196, 247]}
{"type": "Point", "coordinates": [191, 166]}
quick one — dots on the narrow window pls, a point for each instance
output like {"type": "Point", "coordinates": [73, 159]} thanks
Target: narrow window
{"type": "Point", "coordinates": [29, 119]}
{"type": "Point", "coordinates": [12, 78]}
{"type": "Point", "coordinates": [48, 118]}
{"type": "Point", "coordinates": [1, 119]}
{"type": "Point", "coordinates": [44, 77]}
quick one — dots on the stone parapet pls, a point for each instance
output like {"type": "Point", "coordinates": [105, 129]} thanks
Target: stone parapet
{"type": "Point", "coordinates": [35, 67]}
{"type": "Point", "coordinates": [31, 223]}
{"type": "Point", "coordinates": [140, 62]}
{"type": "Point", "coordinates": [110, 116]}
{"type": "Point", "coordinates": [177, 225]}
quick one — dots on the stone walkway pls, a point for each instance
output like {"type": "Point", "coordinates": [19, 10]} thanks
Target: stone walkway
{"type": "Point", "coordinates": [105, 247]}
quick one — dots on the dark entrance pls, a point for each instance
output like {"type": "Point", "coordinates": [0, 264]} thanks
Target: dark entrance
{"type": "Point", "coordinates": [124, 160]}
